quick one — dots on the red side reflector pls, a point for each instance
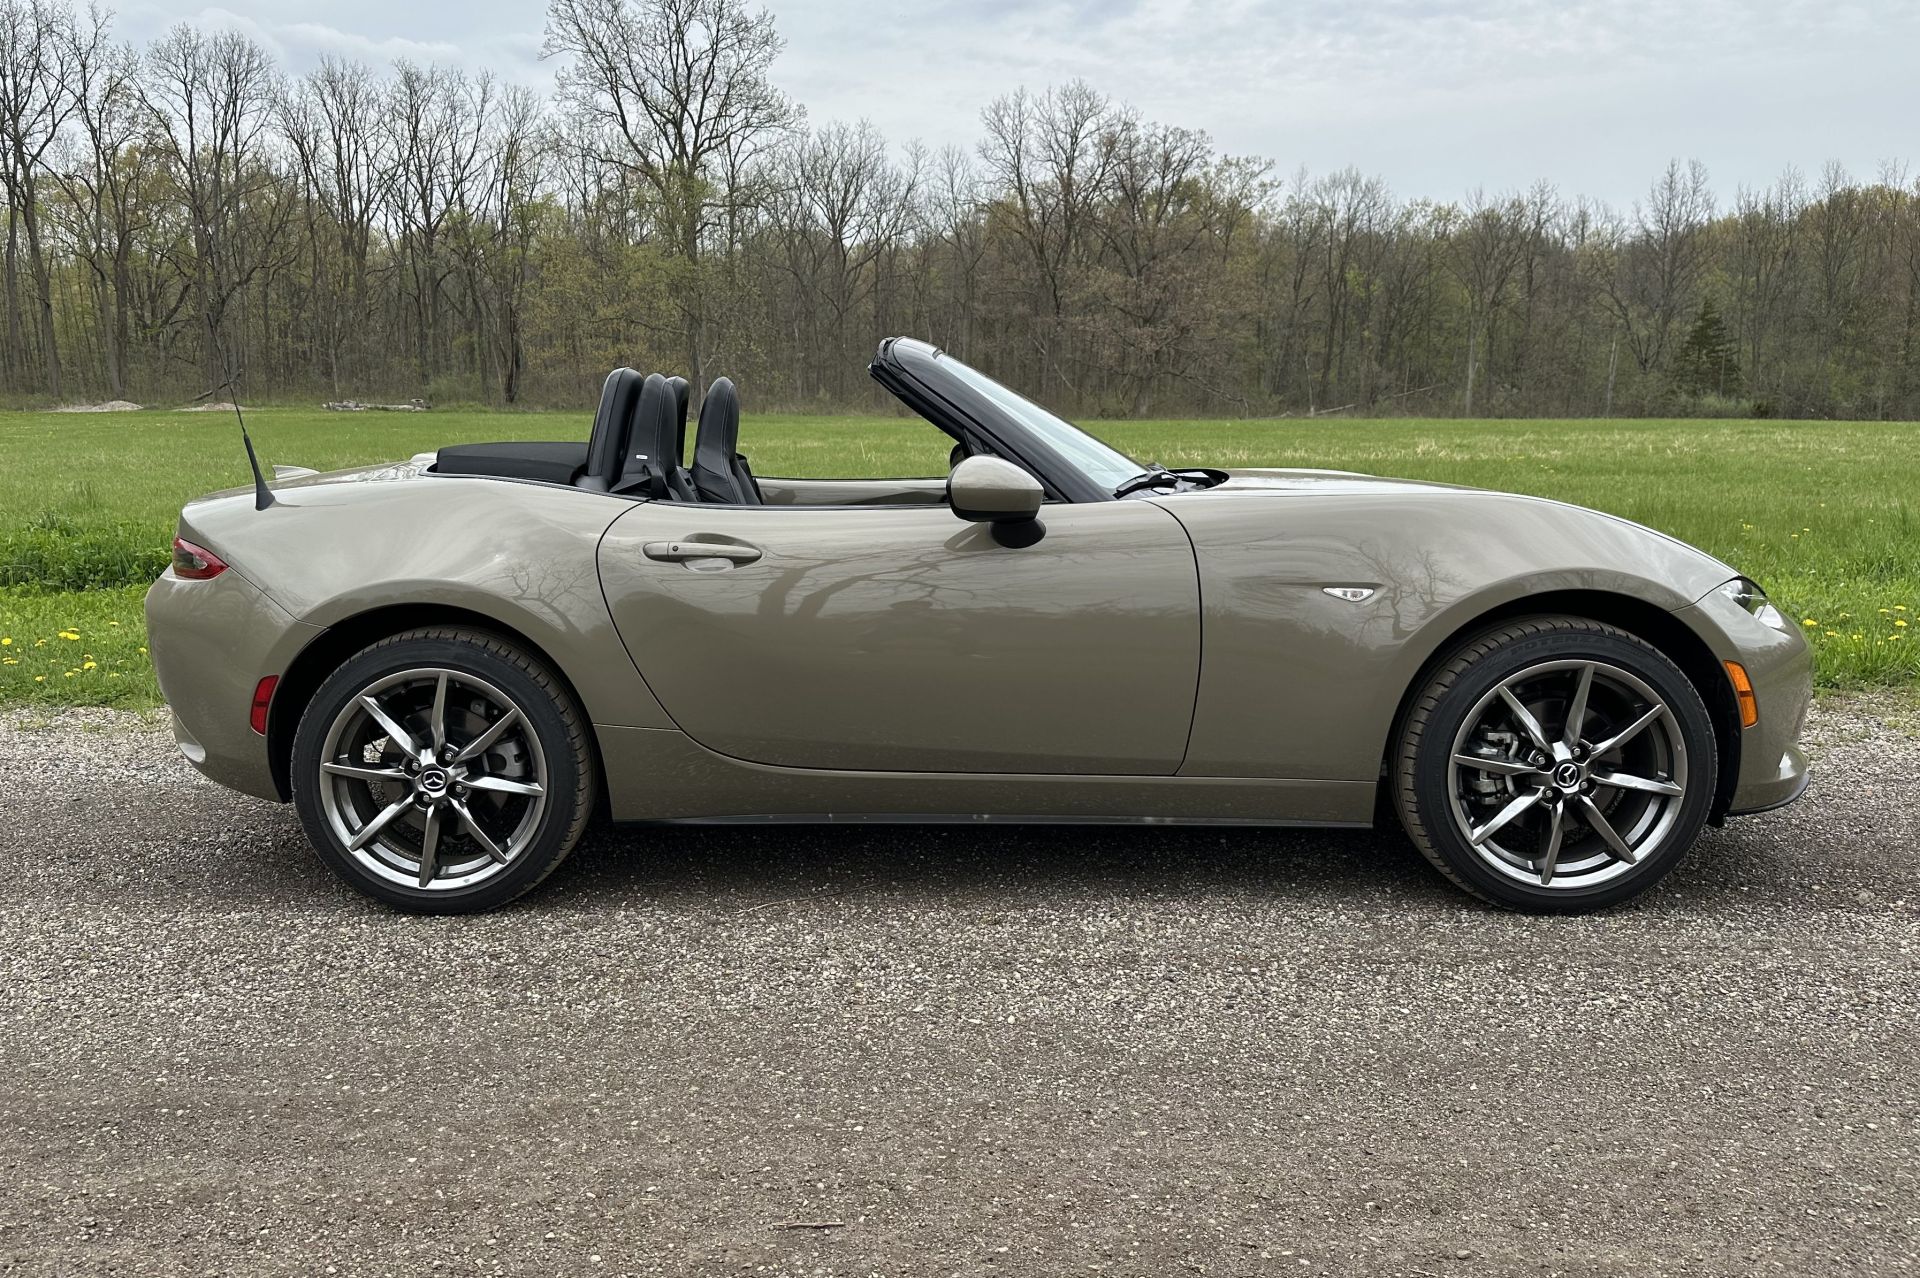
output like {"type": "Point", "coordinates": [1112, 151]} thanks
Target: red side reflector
{"type": "Point", "coordinates": [262, 698]}
{"type": "Point", "coordinates": [195, 563]}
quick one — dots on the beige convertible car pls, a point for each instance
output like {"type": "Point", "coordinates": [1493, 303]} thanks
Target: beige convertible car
{"type": "Point", "coordinates": [451, 664]}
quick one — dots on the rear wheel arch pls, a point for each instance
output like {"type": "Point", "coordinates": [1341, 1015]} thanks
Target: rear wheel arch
{"type": "Point", "coordinates": [332, 647]}
{"type": "Point", "coordinates": [1647, 621]}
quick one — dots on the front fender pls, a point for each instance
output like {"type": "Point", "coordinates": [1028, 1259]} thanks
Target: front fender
{"type": "Point", "coordinates": [1298, 683]}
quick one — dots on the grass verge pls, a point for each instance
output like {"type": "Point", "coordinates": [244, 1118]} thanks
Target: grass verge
{"type": "Point", "coordinates": [1821, 513]}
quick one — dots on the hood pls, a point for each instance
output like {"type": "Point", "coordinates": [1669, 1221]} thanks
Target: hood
{"type": "Point", "coordinates": [1257, 482]}
{"type": "Point", "coordinates": [1320, 481]}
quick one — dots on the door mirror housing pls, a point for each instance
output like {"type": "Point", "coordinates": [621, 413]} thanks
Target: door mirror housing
{"type": "Point", "coordinates": [991, 490]}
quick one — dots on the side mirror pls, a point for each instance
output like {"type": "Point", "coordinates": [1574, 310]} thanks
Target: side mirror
{"type": "Point", "coordinates": [989, 490]}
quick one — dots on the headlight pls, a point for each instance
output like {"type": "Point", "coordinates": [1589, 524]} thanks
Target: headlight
{"type": "Point", "coordinates": [1748, 595]}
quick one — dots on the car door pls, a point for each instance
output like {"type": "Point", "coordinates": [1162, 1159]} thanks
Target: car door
{"type": "Point", "coordinates": [905, 639]}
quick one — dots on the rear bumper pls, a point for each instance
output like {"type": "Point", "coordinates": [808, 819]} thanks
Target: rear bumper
{"type": "Point", "coordinates": [211, 643]}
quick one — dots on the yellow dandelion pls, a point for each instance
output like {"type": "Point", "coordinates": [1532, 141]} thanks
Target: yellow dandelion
{"type": "Point", "coordinates": [39, 678]}
{"type": "Point", "coordinates": [70, 635]}
{"type": "Point", "coordinates": [1809, 622]}
{"type": "Point", "coordinates": [1900, 622]}
{"type": "Point", "coordinates": [143, 652]}
{"type": "Point", "coordinates": [9, 661]}
{"type": "Point", "coordinates": [6, 641]}
{"type": "Point", "coordinates": [72, 673]}
{"type": "Point", "coordinates": [94, 665]}
{"type": "Point", "coordinates": [113, 623]}
{"type": "Point", "coordinates": [1899, 607]}
{"type": "Point", "coordinates": [1858, 637]}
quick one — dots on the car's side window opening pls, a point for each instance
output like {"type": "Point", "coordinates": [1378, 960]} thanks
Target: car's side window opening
{"type": "Point", "coordinates": [638, 448]}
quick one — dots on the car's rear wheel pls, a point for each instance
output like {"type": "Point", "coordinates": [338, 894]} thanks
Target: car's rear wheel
{"type": "Point", "coordinates": [1556, 764]}
{"type": "Point", "coordinates": [443, 771]}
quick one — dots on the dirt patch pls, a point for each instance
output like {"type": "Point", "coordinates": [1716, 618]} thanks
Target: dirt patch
{"type": "Point", "coordinates": [222, 406]}
{"type": "Point", "coordinates": [111, 406]}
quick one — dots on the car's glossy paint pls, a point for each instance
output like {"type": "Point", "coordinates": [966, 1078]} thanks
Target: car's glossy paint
{"type": "Point", "coordinates": [1300, 683]}
{"type": "Point", "coordinates": [1173, 656]}
{"type": "Point", "coordinates": [901, 638]}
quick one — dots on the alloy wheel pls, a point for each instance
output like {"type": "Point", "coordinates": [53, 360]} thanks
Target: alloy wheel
{"type": "Point", "coordinates": [432, 778]}
{"type": "Point", "coordinates": [1568, 774]}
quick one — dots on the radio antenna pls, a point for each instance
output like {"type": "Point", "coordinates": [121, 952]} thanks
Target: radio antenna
{"type": "Point", "coordinates": [262, 495]}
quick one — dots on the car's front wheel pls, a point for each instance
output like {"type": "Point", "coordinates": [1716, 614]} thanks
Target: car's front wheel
{"type": "Point", "coordinates": [1555, 764]}
{"type": "Point", "coordinates": [443, 771]}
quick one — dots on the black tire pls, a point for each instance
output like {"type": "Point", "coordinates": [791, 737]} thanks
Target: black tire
{"type": "Point", "coordinates": [1425, 782]}
{"type": "Point", "coordinates": [549, 715]}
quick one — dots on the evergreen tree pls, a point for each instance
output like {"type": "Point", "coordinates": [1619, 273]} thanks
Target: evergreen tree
{"type": "Point", "coordinates": [1706, 363]}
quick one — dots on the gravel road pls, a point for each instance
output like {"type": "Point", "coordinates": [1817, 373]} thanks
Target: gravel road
{"type": "Point", "coordinates": [969, 1051]}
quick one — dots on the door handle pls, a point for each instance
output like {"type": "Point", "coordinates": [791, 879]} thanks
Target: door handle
{"type": "Point", "coordinates": [679, 552]}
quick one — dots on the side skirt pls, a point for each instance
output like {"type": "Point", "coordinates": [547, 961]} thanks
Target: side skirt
{"type": "Point", "coordinates": [659, 774]}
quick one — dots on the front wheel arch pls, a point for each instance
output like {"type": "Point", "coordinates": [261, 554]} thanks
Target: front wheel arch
{"type": "Point", "coordinates": [331, 648]}
{"type": "Point", "coordinates": [1650, 622]}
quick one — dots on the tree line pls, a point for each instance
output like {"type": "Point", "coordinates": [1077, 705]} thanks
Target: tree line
{"type": "Point", "coordinates": [186, 216]}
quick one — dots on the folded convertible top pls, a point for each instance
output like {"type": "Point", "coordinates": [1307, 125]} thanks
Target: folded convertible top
{"type": "Point", "coordinates": [550, 461]}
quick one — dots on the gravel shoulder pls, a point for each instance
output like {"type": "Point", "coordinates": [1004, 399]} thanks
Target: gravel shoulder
{"type": "Point", "coordinates": [972, 1051]}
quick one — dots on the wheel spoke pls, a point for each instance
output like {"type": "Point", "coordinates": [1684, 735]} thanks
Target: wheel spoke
{"type": "Point", "coordinates": [1647, 785]}
{"type": "Point", "coordinates": [439, 717]}
{"type": "Point", "coordinates": [395, 733]}
{"type": "Point", "coordinates": [1550, 860]}
{"type": "Point", "coordinates": [1577, 712]}
{"type": "Point", "coordinates": [502, 785]}
{"type": "Point", "coordinates": [480, 744]}
{"type": "Point", "coordinates": [1495, 763]}
{"type": "Point", "coordinates": [430, 847]}
{"type": "Point", "coordinates": [1603, 828]}
{"type": "Point", "coordinates": [1629, 732]}
{"type": "Point", "coordinates": [360, 773]}
{"type": "Point", "coordinates": [1507, 814]}
{"type": "Point", "coordinates": [1528, 724]}
{"type": "Point", "coordinates": [366, 832]}
{"type": "Point", "coordinates": [480, 836]}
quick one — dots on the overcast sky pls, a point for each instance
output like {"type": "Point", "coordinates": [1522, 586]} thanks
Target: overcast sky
{"type": "Point", "coordinates": [1438, 98]}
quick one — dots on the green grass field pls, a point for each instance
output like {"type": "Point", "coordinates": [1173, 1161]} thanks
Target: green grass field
{"type": "Point", "coordinates": [1826, 515]}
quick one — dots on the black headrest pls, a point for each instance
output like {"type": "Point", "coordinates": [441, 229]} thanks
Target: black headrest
{"type": "Point", "coordinates": [650, 466]}
{"type": "Point", "coordinates": [719, 436]}
{"type": "Point", "coordinates": [612, 428]}
{"type": "Point", "coordinates": [679, 385]}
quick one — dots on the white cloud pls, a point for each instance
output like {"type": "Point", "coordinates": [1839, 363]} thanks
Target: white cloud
{"type": "Point", "coordinates": [1437, 96]}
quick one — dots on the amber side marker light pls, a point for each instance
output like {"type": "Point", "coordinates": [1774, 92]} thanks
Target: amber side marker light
{"type": "Point", "coordinates": [1743, 693]}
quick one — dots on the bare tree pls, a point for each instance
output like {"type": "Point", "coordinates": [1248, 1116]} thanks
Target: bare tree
{"type": "Point", "coordinates": [211, 100]}
{"type": "Point", "coordinates": [683, 86]}
{"type": "Point", "coordinates": [1656, 273]}
{"type": "Point", "coordinates": [41, 46]}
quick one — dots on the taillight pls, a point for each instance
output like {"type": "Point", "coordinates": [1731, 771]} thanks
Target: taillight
{"type": "Point", "coordinates": [195, 563]}
{"type": "Point", "coordinates": [262, 700]}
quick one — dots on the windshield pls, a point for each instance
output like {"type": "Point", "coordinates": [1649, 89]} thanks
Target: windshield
{"type": "Point", "coordinates": [1105, 466]}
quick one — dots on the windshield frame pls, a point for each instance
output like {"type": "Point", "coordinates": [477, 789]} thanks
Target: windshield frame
{"type": "Point", "coordinates": [988, 416]}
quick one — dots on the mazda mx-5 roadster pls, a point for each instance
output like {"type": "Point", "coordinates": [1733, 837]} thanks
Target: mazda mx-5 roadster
{"type": "Point", "coordinates": [451, 665]}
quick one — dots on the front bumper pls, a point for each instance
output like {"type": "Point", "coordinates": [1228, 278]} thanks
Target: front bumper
{"type": "Point", "coordinates": [1773, 770]}
{"type": "Point", "coordinates": [212, 642]}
